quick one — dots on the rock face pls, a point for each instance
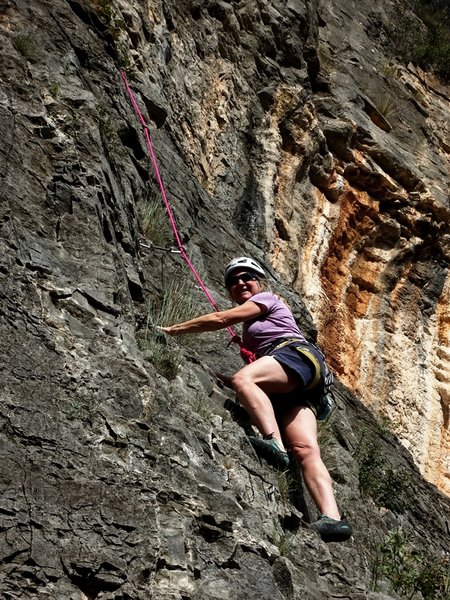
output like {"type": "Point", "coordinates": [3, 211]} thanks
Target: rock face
{"type": "Point", "coordinates": [374, 265]}
{"type": "Point", "coordinates": [281, 131]}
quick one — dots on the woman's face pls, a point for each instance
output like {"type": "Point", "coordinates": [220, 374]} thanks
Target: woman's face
{"type": "Point", "coordinates": [242, 285]}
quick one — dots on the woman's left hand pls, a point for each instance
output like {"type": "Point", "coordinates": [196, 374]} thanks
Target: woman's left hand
{"type": "Point", "coordinates": [167, 330]}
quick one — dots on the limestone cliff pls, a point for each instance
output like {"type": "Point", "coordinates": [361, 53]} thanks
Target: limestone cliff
{"type": "Point", "coordinates": [284, 131]}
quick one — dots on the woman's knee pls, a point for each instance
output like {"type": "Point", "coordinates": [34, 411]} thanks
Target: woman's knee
{"type": "Point", "coordinates": [239, 381]}
{"type": "Point", "coordinates": [307, 451]}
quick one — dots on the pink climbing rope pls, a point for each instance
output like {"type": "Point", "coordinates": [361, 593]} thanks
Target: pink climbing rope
{"type": "Point", "coordinates": [246, 354]}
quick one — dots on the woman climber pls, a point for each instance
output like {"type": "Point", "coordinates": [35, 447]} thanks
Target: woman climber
{"type": "Point", "coordinates": [265, 386]}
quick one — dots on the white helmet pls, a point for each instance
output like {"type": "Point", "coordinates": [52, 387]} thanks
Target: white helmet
{"type": "Point", "coordinates": [243, 262]}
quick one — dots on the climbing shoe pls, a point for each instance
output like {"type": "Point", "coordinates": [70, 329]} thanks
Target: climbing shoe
{"type": "Point", "coordinates": [332, 530]}
{"type": "Point", "coordinates": [271, 451]}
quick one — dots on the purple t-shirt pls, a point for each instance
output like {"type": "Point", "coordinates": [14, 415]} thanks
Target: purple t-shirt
{"type": "Point", "coordinates": [276, 322]}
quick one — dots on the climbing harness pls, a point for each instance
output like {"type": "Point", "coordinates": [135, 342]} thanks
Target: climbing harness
{"type": "Point", "coordinates": [301, 348]}
{"type": "Point", "coordinates": [235, 338]}
{"type": "Point", "coordinates": [323, 376]}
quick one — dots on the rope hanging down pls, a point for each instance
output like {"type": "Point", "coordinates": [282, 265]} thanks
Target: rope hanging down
{"type": "Point", "coordinates": [246, 354]}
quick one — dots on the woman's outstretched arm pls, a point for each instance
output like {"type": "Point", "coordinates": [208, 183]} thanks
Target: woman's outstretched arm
{"type": "Point", "coordinates": [217, 320]}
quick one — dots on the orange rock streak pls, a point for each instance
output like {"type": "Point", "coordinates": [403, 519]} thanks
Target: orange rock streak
{"type": "Point", "coordinates": [347, 281]}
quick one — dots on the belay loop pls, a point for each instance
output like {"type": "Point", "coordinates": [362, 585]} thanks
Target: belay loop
{"type": "Point", "coordinates": [247, 355]}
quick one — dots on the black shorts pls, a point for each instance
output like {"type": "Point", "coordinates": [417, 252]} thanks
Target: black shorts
{"type": "Point", "coordinates": [292, 360]}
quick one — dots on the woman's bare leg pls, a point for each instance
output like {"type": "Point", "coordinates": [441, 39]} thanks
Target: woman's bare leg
{"type": "Point", "coordinates": [252, 385]}
{"type": "Point", "coordinates": [300, 429]}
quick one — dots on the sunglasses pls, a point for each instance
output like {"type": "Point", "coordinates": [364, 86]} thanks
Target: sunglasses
{"type": "Point", "coordinates": [244, 277]}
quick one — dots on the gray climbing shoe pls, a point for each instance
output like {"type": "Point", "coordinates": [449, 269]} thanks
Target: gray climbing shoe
{"type": "Point", "coordinates": [332, 530]}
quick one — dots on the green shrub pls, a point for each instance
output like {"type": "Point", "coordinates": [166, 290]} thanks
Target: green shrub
{"type": "Point", "coordinates": [388, 486]}
{"type": "Point", "coordinates": [422, 35]}
{"type": "Point", "coordinates": [166, 360]}
{"type": "Point", "coordinates": [409, 570]}
{"type": "Point", "coordinates": [115, 31]}
{"type": "Point", "coordinates": [386, 106]}
{"type": "Point", "coordinates": [286, 485]}
{"type": "Point", "coordinates": [433, 580]}
{"type": "Point", "coordinates": [108, 132]}
{"type": "Point", "coordinates": [178, 302]}
{"type": "Point", "coordinates": [153, 220]}
{"type": "Point", "coordinates": [283, 540]}
{"type": "Point", "coordinates": [103, 8]}
{"type": "Point", "coordinates": [25, 45]}
{"type": "Point", "coordinates": [55, 88]}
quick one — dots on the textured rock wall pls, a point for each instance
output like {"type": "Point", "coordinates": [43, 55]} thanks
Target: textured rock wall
{"type": "Point", "coordinates": [345, 186]}
{"type": "Point", "coordinates": [373, 261]}
{"type": "Point", "coordinates": [115, 481]}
